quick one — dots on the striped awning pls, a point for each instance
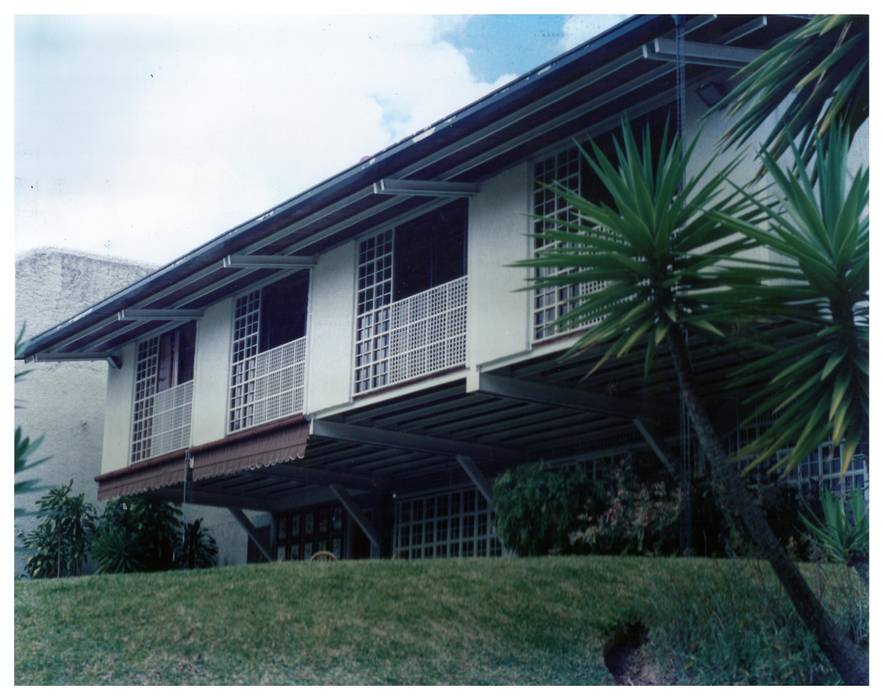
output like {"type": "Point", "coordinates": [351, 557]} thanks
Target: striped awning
{"type": "Point", "coordinates": [256, 448]}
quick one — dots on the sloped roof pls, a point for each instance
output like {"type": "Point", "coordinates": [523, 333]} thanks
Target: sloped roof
{"type": "Point", "coordinates": [582, 91]}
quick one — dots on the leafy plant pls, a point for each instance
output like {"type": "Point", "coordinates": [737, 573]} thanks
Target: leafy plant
{"type": "Point", "coordinates": [668, 264]}
{"type": "Point", "coordinates": [815, 380]}
{"type": "Point", "coordinates": [59, 545]}
{"type": "Point", "coordinates": [137, 534]}
{"type": "Point", "coordinates": [536, 507]}
{"type": "Point", "coordinates": [197, 548]}
{"type": "Point", "coordinates": [25, 447]}
{"type": "Point", "coordinates": [637, 518]}
{"type": "Point", "coordinates": [841, 532]}
{"type": "Point", "coordinates": [826, 63]}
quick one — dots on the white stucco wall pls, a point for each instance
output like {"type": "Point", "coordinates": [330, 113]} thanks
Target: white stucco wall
{"type": "Point", "coordinates": [330, 329]}
{"type": "Point", "coordinates": [211, 373]}
{"type": "Point", "coordinates": [498, 316]}
{"type": "Point", "coordinates": [63, 401]}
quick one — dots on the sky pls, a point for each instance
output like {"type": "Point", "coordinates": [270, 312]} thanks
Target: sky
{"type": "Point", "coordinates": [143, 137]}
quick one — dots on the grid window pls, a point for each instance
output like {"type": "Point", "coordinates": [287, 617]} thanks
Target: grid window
{"type": "Point", "coordinates": [452, 524]}
{"type": "Point", "coordinates": [269, 384]}
{"type": "Point", "coordinates": [163, 394]}
{"type": "Point", "coordinates": [552, 212]}
{"type": "Point", "coordinates": [819, 469]}
{"type": "Point", "coordinates": [400, 339]}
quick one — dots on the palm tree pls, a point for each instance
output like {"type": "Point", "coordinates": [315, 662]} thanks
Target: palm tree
{"type": "Point", "coordinates": [662, 257]}
{"type": "Point", "coordinates": [826, 63]}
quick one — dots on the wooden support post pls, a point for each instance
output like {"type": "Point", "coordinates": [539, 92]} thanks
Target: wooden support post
{"type": "Point", "coordinates": [250, 530]}
{"type": "Point", "coordinates": [356, 514]}
{"type": "Point", "coordinates": [479, 479]}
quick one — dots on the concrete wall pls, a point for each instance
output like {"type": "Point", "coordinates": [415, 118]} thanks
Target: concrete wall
{"type": "Point", "coordinates": [498, 317]}
{"type": "Point", "coordinates": [330, 329]}
{"type": "Point", "coordinates": [211, 374]}
{"type": "Point", "coordinates": [63, 401]}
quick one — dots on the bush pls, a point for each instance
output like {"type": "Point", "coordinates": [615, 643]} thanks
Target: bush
{"type": "Point", "coordinates": [537, 508]}
{"type": "Point", "coordinates": [197, 549]}
{"type": "Point", "coordinates": [59, 545]}
{"type": "Point", "coordinates": [137, 534]}
{"type": "Point", "coordinates": [637, 517]}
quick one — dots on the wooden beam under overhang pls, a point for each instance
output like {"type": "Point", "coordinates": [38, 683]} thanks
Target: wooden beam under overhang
{"type": "Point", "coordinates": [411, 441]}
{"type": "Point", "coordinates": [562, 397]}
{"type": "Point", "coordinates": [158, 314]}
{"type": "Point", "coordinates": [426, 188]}
{"type": "Point", "coordinates": [269, 262]}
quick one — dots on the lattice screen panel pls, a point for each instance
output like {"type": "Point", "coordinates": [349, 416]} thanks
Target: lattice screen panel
{"type": "Point", "coordinates": [413, 337]}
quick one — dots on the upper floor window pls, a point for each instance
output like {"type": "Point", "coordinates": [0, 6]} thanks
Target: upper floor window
{"type": "Point", "coordinates": [267, 375]}
{"type": "Point", "coordinates": [569, 170]}
{"type": "Point", "coordinates": [163, 392]}
{"type": "Point", "coordinates": [411, 303]}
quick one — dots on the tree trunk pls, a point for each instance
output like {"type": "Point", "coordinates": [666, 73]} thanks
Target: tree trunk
{"type": "Point", "coordinates": [849, 661]}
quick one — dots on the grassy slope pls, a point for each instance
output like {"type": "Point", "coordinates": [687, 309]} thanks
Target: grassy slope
{"type": "Point", "coordinates": [454, 621]}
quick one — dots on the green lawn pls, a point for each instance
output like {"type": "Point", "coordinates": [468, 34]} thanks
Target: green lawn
{"type": "Point", "coordinates": [543, 620]}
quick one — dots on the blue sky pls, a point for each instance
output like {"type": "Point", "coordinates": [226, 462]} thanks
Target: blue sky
{"type": "Point", "coordinates": [142, 137]}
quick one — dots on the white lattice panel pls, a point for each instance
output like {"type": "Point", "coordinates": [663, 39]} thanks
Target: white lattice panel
{"type": "Point", "coordinates": [413, 337]}
{"type": "Point", "coordinates": [171, 419]}
{"type": "Point", "coordinates": [268, 385]}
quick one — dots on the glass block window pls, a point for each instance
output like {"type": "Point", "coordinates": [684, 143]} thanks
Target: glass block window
{"type": "Point", "coordinates": [553, 211]}
{"type": "Point", "coordinates": [452, 524]}
{"type": "Point", "coordinates": [819, 469]}
{"type": "Point", "coordinates": [146, 374]}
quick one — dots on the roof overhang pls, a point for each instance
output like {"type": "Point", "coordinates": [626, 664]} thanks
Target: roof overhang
{"type": "Point", "coordinates": [580, 93]}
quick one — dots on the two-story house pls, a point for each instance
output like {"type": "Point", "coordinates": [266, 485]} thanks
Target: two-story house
{"type": "Point", "coordinates": [359, 363]}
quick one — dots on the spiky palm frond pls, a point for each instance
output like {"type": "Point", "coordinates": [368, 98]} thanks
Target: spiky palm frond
{"type": "Point", "coordinates": [653, 247]}
{"type": "Point", "coordinates": [826, 63]}
{"type": "Point", "coordinates": [842, 532]}
{"type": "Point", "coordinates": [815, 382]}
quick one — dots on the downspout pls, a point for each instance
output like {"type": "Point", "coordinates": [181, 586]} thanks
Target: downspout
{"type": "Point", "coordinates": [685, 475]}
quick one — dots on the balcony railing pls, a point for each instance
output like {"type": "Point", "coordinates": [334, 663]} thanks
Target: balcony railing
{"type": "Point", "coordinates": [268, 385]}
{"type": "Point", "coordinates": [162, 422]}
{"type": "Point", "coordinates": [413, 337]}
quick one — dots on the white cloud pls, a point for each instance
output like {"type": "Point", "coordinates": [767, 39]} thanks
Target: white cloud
{"type": "Point", "coordinates": [580, 28]}
{"type": "Point", "coordinates": [155, 134]}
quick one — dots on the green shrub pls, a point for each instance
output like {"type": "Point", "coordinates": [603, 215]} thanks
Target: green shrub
{"type": "Point", "coordinates": [638, 516]}
{"type": "Point", "coordinates": [137, 534]}
{"type": "Point", "coordinates": [197, 548]}
{"type": "Point", "coordinates": [537, 508]}
{"type": "Point", "coordinates": [59, 545]}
